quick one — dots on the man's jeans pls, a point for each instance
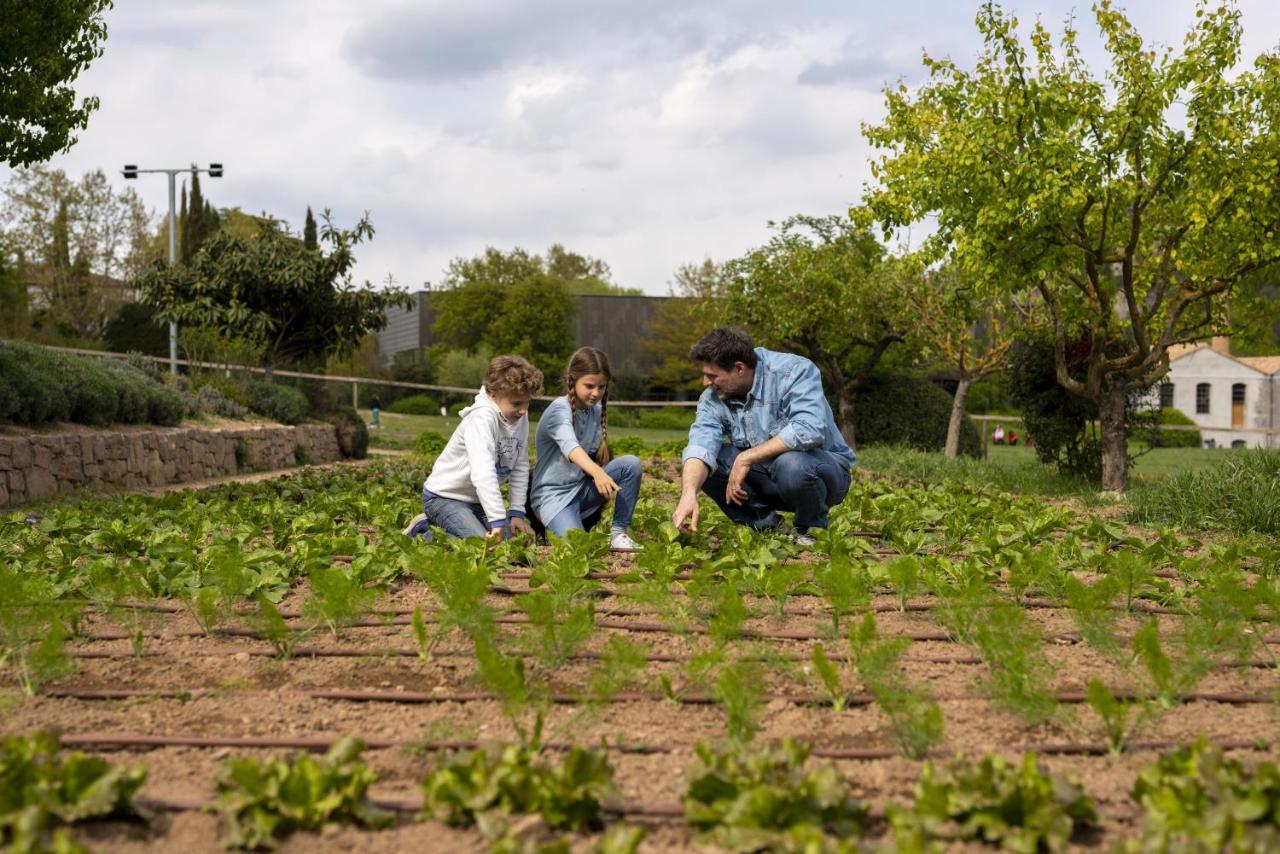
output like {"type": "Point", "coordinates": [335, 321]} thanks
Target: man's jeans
{"type": "Point", "coordinates": [808, 483]}
{"type": "Point", "coordinates": [626, 472]}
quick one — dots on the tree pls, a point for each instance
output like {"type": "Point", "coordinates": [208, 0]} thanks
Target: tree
{"type": "Point", "coordinates": [297, 305]}
{"type": "Point", "coordinates": [43, 48]}
{"type": "Point", "coordinates": [822, 288]}
{"type": "Point", "coordinates": [696, 305]}
{"type": "Point", "coordinates": [1131, 218]}
{"type": "Point", "coordinates": [583, 274]}
{"type": "Point", "coordinates": [971, 331]}
{"type": "Point", "coordinates": [309, 231]}
{"type": "Point", "coordinates": [13, 298]}
{"type": "Point", "coordinates": [507, 302]}
{"type": "Point", "coordinates": [109, 228]}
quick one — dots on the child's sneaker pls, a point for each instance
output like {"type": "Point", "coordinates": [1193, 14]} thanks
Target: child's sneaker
{"type": "Point", "coordinates": [803, 540]}
{"type": "Point", "coordinates": [622, 542]}
{"type": "Point", "coordinates": [417, 525]}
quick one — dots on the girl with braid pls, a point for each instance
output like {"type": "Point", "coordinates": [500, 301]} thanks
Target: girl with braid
{"type": "Point", "coordinates": [575, 474]}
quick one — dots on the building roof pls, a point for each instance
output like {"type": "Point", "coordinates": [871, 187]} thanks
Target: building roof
{"type": "Point", "coordinates": [1265, 364]}
{"type": "Point", "coordinates": [1262, 364]}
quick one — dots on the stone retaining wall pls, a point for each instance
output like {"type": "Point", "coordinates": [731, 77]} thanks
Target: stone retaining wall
{"type": "Point", "coordinates": [41, 465]}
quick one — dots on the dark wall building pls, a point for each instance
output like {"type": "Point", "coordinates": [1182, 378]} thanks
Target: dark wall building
{"type": "Point", "coordinates": [614, 323]}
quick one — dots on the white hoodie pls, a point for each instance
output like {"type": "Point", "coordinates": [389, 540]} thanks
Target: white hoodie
{"type": "Point", "coordinates": [483, 451]}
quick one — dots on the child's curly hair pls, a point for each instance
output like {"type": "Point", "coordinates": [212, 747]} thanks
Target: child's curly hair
{"type": "Point", "coordinates": [511, 375]}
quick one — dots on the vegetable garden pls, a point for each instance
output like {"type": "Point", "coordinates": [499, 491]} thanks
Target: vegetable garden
{"type": "Point", "coordinates": [274, 665]}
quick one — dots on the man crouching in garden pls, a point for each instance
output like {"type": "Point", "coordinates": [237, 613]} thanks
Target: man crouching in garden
{"type": "Point", "coordinates": [764, 439]}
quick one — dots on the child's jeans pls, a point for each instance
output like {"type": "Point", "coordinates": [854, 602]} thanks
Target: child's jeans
{"type": "Point", "coordinates": [458, 518]}
{"type": "Point", "coordinates": [626, 472]}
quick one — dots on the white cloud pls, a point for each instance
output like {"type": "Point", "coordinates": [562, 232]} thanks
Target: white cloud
{"type": "Point", "coordinates": [649, 135]}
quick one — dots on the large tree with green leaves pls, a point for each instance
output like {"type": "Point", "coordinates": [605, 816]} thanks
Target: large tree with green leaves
{"type": "Point", "coordinates": [822, 287]}
{"type": "Point", "coordinates": [1133, 203]}
{"type": "Point", "coordinates": [515, 302]}
{"type": "Point", "coordinates": [43, 48]}
{"type": "Point", "coordinates": [294, 304]}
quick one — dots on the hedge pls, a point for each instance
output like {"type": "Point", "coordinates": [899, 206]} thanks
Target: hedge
{"type": "Point", "coordinates": [38, 386]}
{"type": "Point", "coordinates": [910, 411]}
{"type": "Point", "coordinates": [415, 404]}
{"type": "Point", "coordinates": [1175, 438]}
{"type": "Point", "coordinates": [278, 402]}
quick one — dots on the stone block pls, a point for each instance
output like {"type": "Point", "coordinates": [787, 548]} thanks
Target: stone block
{"type": "Point", "coordinates": [40, 484]}
{"type": "Point", "coordinates": [21, 454]}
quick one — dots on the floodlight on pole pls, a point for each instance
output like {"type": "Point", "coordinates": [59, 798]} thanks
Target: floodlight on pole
{"type": "Point", "coordinates": [130, 172]}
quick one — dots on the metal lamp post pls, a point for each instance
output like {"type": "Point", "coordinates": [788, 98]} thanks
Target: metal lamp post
{"type": "Point", "coordinates": [131, 171]}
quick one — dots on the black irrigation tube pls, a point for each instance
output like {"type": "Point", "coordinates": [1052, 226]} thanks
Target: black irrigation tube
{"type": "Point", "coordinates": [852, 700]}
{"type": "Point", "coordinates": [651, 657]}
{"type": "Point", "coordinates": [619, 625]}
{"type": "Point", "coordinates": [130, 740]}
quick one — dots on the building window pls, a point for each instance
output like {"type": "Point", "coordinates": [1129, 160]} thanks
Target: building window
{"type": "Point", "coordinates": [1166, 395]}
{"type": "Point", "coordinates": [1202, 398]}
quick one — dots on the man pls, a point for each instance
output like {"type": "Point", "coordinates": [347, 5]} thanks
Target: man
{"type": "Point", "coordinates": [764, 439]}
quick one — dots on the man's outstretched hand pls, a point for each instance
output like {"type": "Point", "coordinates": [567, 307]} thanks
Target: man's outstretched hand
{"type": "Point", "coordinates": [686, 509]}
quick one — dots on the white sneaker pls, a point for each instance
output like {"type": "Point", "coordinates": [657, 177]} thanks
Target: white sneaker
{"type": "Point", "coordinates": [804, 541]}
{"type": "Point", "coordinates": [415, 522]}
{"type": "Point", "coordinates": [622, 542]}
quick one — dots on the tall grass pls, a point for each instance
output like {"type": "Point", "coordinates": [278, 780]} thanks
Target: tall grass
{"type": "Point", "coordinates": [1241, 495]}
{"type": "Point", "coordinates": [1029, 478]}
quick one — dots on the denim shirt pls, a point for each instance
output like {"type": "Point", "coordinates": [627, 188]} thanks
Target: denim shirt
{"type": "Point", "coordinates": [786, 401]}
{"type": "Point", "coordinates": [556, 478]}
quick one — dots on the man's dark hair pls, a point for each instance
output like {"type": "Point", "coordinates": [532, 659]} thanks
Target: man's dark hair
{"type": "Point", "coordinates": [723, 346]}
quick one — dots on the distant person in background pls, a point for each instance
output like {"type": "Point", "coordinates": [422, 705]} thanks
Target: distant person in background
{"type": "Point", "coordinates": [377, 411]}
{"type": "Point", "coordinates": [1013, 438]}
{"type": "Point", "coordinates": [997, 437]}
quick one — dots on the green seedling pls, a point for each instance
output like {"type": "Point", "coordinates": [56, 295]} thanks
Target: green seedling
{"type": "Point", "coordinates": [846, 589]}
{"type": "Point", "coordinates": [915, 719]}
{"type": "Point", "coordinates": [829, 674]}
{"type": "Point", "coordinates": [274, 630]}
{"type": "Point", "coordinates": [1118, 719]}
{"type": "Point", "coordinates": [738, 688]}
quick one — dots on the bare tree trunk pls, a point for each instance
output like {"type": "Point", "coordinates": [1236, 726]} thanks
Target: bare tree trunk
{"type": "Point", "coordinates": [1114, 439]}
{"type": "Point", "coordinates": [844, 415]}
{"type": "Point", "coordinates": [952, 449]}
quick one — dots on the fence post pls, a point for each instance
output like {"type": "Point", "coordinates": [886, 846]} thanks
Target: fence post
{"type": "Point", "coordinates": [355, 395]}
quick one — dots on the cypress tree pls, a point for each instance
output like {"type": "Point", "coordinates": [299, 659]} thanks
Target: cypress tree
{"type": "Point", "coordinates": [309, 239]}
{"type": "Point", "coordinates": [184, 230]}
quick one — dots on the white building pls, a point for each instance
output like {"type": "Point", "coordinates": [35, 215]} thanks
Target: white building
{"type": "Point", "coordinates": [1234, 400]}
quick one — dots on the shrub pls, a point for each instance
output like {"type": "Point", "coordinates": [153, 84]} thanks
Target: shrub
{"type": "Point", "coordinates": [209, 400]}
{"type": "Point", "coordinates": [1240, 494]}
{"type": "Point", "coordinates": [277, 402]}
{"type": "Point", "coordinates": [1175, 438]}
{"type": "Point", "coordinates": [910, 411]}
{"type": "Point", "coordinates": [415, 404]}
{"type": "Point", "coordinates": [429, 443]}
{"type": "Point", "coordinates": [353, 433]}
{"type": "Point", "coordinates": [38, 386]}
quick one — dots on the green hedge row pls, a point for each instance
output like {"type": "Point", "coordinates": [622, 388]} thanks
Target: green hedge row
{"type": "Point", "coordinates": [909, 411]}
{"type": "Point", "coordinates": [38, 386]}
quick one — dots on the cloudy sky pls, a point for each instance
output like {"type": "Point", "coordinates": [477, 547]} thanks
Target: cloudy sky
{"type": "Point", "coordinates": [647, 134]}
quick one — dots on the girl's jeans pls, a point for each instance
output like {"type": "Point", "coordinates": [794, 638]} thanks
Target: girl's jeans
{"type": "Point", "coordinates": [626, 473]}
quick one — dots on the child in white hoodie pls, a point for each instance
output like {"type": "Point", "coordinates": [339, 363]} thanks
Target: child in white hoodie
{"type": "Point", "coordinates": [463, 493]}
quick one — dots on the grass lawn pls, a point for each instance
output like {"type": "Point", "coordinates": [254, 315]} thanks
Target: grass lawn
{"type": "Point", "coordinates": [1154, 465]}
{"type": "Point", "coordinates": [398, 431]}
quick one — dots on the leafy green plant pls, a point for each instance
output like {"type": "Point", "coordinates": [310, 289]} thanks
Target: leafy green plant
{"type": "Point", "coordinates": [1168, 678]}
{"type": "Point", "coordinates": [33, 627]}
{"type": "Point", "coordinates": [271, 625]}
{"type": "Point", "coordinates": [829, 675]}
{"type": "Point", "coordinates": [903, 572]}
{"type": "Point", "coordinates": [1197, 799]}
{"type": "Point", "coordinates": [845, 587]}
{"type": "Point", "coordinates": [1117, 716]}
{"type": "Point", "coordinates": [41, 790]}
{"type": "Point", "coordinates": [264, 800]}
{"type": "Point", "coordinates": [739, 691]}
{"type": "Point", "coordinates": [915, 719]}
{"type": "Point", "coordinates": [337, 598]}
{"type": "Point", "coordinates": [557, 629]}
{"type": "Point", "coordinates": [1019, 808]}
{"type": "Point", "coordinates": [487, 790]}
{"type": "Point", "coordinates": [764, 799]}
